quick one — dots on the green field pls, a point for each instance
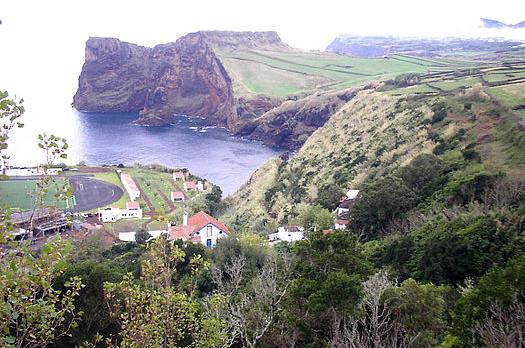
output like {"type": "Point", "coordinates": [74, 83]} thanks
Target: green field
{"type": "Point", "coordinates": [20, 194]}
{"type": "Point", "coordinates": [281, 73]}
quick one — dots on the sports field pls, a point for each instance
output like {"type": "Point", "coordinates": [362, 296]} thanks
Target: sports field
{"type": "Point", "coordinates": [21, 194]}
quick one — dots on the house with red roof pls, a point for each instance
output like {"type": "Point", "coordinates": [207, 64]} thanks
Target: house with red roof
{"type": "Point", "coordinates": [189, 185]}
{"type": "Point", "coordinates": [178, 176]}
{"type": "Point", "coordinates": [177, 196]}
{"type": "Point", "coordinates": [200, 228]}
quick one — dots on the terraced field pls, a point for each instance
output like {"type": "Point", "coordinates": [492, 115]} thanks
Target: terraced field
{"type": "Point", "coordinates": [281, 73]}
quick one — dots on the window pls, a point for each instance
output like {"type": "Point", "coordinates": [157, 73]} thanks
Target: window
{"type": "Point", "coordinates": [208, 230]}
{"type": "Point", "coordinates": [208, 243]}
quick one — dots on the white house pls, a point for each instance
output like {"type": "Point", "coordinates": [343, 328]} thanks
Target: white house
{"type": "Point", "coordinates": [200, 228]}
{"type": "Point", "coordinates": [200, 186]}
{"type": "Point", "coordinates": [189, 185]}
{"type": "Point", "coordinates": [130, 186]}
{"type": "Point", "coordinates": [287, 234]}
{"type": "Point", "coordinates": [177, 196]}
{"type": "Point", "coordinates": [113, 214]}
{"type": "Point", "coordinates": [178, 176]}
{"type": "Point", "coordinates": [342, 212]}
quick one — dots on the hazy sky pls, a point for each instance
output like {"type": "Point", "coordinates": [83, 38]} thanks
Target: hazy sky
{"type": "Point", "coordinates": [42, 41]}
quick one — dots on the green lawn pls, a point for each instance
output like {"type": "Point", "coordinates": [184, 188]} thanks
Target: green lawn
{"type": "Point", "coordinates": [19, 194]}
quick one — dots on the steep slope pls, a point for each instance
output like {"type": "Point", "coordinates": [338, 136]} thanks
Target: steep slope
{"type": "Point", "coordinates": [371, 135]}
{"type": "Point", "coordinates": [291, 123]}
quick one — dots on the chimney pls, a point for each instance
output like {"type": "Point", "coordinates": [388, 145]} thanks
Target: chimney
{"type": "Point", "coordinates": [185, 218]}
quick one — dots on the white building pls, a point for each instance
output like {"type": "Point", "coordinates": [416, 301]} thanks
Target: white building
{"type": "Point", "coordinates": [200, 228]}
{"type": "Point", "coordinates": [200, 186]}
{"type": "Point", "coordinates": [130, 186]}
{"type": "Point", "coordinates": [177, 196]}
{"type": "Point", "coordinates": [31, 171]}
{"type": "Point", "coordinates": [113, 214]}
{"type": "Point", "coordinates": [178, 176]}
{"type": "Point", "coordinates": [130, 236]}
{"type": "Point", "coordinates": [287, 234]}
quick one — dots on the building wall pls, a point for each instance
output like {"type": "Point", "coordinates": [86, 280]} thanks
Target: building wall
{"type": "Point", "coordinates": [215, 235]}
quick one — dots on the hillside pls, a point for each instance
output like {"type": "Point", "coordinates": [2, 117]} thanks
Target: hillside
{"type": "Point", "coordinates": [372, 135]}
{"type": "Point", "coordinates": [232, 79]}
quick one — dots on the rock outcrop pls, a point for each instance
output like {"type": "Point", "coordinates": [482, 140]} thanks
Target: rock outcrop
{"type": "Point", "coordinates": [291, 123]}
{"type": "Point", "coordinates": [185, 77]}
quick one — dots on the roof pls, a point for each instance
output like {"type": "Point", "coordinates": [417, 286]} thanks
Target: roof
{"type": "Point", "coordinates": [352, 194]}
{"type": "Point", "coordinates": [179, 175]}
{"type": "Point", "coordinates": [201, 219]}
{"type": "Point", "coordinates": [181, 232]}
{"type": "Point", "coordinates": [129, 181]}
{"type": "Point", "coordinates": [133, 205]}
{"type": "Point", "coordinates": [190, 184]}
{"type": "Point", "coordinates": [325, 232]}
{"type": "Point", "coordinates": [88, 226]}
{"type": "Point", "coordinates": [177, 194]}
{"type": "Point", "coordinates": [341, 222]}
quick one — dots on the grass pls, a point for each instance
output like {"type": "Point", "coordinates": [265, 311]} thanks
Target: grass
{"type": "Point", "coordinates": [19, 193]}
{"type": "Point", "coordinates": [281, 73]}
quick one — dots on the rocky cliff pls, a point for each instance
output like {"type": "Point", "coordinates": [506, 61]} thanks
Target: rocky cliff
{"type": "Point", "coordinates": [291, 123]}
{"type": "Point", "coordinates": [185, 77]}
{"type": "Point", "coordinates": [188, 77]}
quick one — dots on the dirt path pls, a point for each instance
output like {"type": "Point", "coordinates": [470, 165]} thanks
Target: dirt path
{"type": "Point", "coordinates": [146, 199]}
{"type": "Point", "coordinates": [167, 200]}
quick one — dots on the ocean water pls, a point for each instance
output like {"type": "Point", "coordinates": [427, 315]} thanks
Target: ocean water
{"type": "Point", "coordinates": [97, 139]}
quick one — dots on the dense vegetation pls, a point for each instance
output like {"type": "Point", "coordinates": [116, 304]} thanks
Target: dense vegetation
{"type": "Point", "coordinates": [434, 255]}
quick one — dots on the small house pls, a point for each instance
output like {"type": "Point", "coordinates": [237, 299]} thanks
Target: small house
{"type": "Point", "coordinates": [177, 196]}
{"type": "Point", "coordinates": [200, 228]}
{"type": "Point", "coordinates": [178, 176]}
{"type": "Point", "coordinates": [113, 214]}
{"type": "Point", "coordinates": [288, 234]}
{"type": "Point", "coordinates": [189, 185]}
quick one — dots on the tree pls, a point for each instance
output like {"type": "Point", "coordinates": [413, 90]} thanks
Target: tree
{"type": "Point", "coordinates": [329, 270]}
{"type": "Point", "coordinates": [329, 197]}
{"type": "Point", "coordinates": [152, 313]}
{"type": "Point", "coordinates": [499, 292]}
{"type": "Point", "coordinates": [142, 236]}
{"type": "Point", "coordinates": [33, 311]}
{"type": "Point", "coordinates": [251, 305]}
{"type": "Point", "coordinates": [316, 218]}
{"type": "Point", "coordinates": [381, 201]}
{"type": "Point", "coordinates": [424, 175]}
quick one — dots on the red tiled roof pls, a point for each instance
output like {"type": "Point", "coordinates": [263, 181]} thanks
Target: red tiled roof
{"type": "Point", "coordinates": [179, 175]}
{"type": "Point", "coordinates": [88, 226]}
{"type": "Point", "coordinates": [133, 205]}
{"type": "Point", "coordinates": [190, 184]}
{"type": "Point", "coordinates": [325, 232]}
{"type": "Point", "coordinates": [181, 232]}
{"type": "Point", "coordinates": [177, 195]}
{"type": "Point", "coordinates": [341, 222]}
{"type": "Point", "coordinates": [201, 219]}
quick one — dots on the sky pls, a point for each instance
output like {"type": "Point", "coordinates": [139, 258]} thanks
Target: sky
{"type": "Point", "coordinates": [42, 41]}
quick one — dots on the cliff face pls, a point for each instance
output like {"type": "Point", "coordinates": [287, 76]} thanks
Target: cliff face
{"type": "Point", "coordinates": [184, 77]}
{"type": "Point", "coordinates": [291, 123]}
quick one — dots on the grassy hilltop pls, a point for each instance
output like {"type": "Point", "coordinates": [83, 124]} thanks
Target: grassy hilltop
{"type": "Point", "coordinates": [378, 132]}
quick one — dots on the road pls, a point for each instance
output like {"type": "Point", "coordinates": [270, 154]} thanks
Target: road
{"type": "Point", "coordinates": [92, 193]}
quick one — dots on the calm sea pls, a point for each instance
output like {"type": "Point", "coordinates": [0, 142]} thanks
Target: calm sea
{"type": "Point", "coordinates": [98, 139]}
